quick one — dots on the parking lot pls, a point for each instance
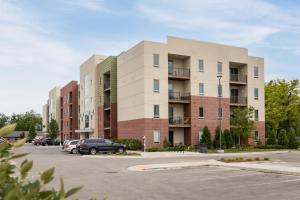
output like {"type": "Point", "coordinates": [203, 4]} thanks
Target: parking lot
{"type": "Point", "coordinates": [109, 178]}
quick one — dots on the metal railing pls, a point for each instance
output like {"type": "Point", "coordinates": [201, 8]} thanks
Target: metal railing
{"type": "Point", "coordinates": [178, 120]}
{"type": "Point", "coordinates": [179, 96]}
{"type": "Point", "coordinates": [106, 105]}
{"type": "Point", "coordinates": [179, 72]}
{"type": "Point", "coordinates": [238, 78]}
{"type": "Point", "coordinates": [238, 100]}
{"type": "Point", "coordinates": [106, 123]}
{"type": "Point", "coordinates": [106, 86]}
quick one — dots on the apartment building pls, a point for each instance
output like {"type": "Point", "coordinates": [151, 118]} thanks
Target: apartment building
{"type": "Point", "coordinates": [170, 90]}
{"type": "Point", "coordinates": [88, 112]}
{"type": "Point", "coordinates": [107, 97]}
{"type": "Point", "coordinates": [54, 105]}
{"type": "Point", "coordinates": [45, 118]}
{"type": "Point", "coordinates": [69, 111]}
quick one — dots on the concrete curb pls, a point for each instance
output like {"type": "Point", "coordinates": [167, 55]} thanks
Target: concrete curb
{"type": "Point", "coordinates": [257, 166]}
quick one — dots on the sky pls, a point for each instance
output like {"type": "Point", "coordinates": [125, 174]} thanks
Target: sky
{"type": "Point", "coordinates": [43, 43]}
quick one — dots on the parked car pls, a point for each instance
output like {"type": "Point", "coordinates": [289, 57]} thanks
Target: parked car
{"type": "Point", "coordinates": [37, 140]}
{"type": "Point", "coordinates": [64, 145]}
{"type": "Point", "coordinates": [49, 141]}
{"type": "Point", "coordinates": [70, 146]}
{"type": "Point", "coordinates": [92, 146]}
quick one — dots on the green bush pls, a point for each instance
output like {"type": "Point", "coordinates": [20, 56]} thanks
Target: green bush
{"type": "Point", "coordinates": [205, 138]}
{"type": "Point", "coordinates": [282, 138]}
{"type": "Point", "coordinates": [270, 146]}
{"type": "Point", "coordinates": [293, 142]}
{"type": "Point", "coordinates": [131, 144]}
{"type": "Point", "coordinates": [228, 137]}
{"type": "Point", "coordinates": [14, 181]}
{"type": "Point", "coordinates": [217, 139]}
{"type": "Point", "coordinates": [155, 149]}
{"type": "Point", "coordinates": [271, 138]}
{"type": "Point", "coordinates": [166, 143]}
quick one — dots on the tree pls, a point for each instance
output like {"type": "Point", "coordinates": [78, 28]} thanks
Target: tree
{"type": "Point", "coordinates": [242, 123]}
{"type": "Point", "coordinates": [217, 138]}
{"type": "Point", "coordinates": [293, 142]}
{"type": "Point", "coordinates": [282, 104]}
{"type": "Point", "coordinates": [282, 138]}
{"type": "Point", "coordinates": [26, 120]}
{"type": "Point", "coordinates": [3, 120]}
{"type": "Point", "coordinates": [53, 129]}
{"type": "Point", "coordinates": [271, 138]}
{"type": "Point", "coordinates": [206, 138]}
{"type": "Point", "coordinates": [22, 135]}
{"type": "Point", "coordinates": [14, 180]}
{"type": "Point", "coordinates": [228, 139]}
{"type": "Point", "coordinates": [32, 133]}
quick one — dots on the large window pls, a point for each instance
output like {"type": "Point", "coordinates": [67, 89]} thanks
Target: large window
{"type": "Point", "coordinates": [155, 85]}
{"type": "Point", "coordinates": [255, 72]}
{"type": "Point", "coordinates": [86, 122]}
{"type": "Point", "coordinates": [156, 111]}
{"type": "Point", "coordinates": [256, 136]}
{"type": "Point", "coordinates": [156, 60]}
{"type": "Point", "coordinates": [220, 66]}
{"type": "Point", "coordinates": [255, 93]}
{"type": "Point", "coordinates": [200, 65]}
{"type": "Point", "coordinates": [201, 89]}
{"type": "Point", "coordinates": [201, 112]}
{"type": "Point", "coordinates": [156, 136]}
{"type": "Point", "coordinates": [256, 115]}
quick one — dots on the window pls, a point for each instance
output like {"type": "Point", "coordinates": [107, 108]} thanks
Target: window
{"type": "Point", "coordinates": [256, 115]}
{"type": "Point", "coordinates": [220, 91]}
{"type": "Point", "coordinates": [86, 125]}
{"type": "Point", "coordinates": [201, 112]}
{"type": "Point", "coordinates": [220, 68]}
{"type": "Point", "coordinates": [220, 113]}
{"type": "Point", "coordinates": [201, 89]}
{"type": "Point", "coordinates": [200, 65]}
{"type": "Point", "coordinates": [156, 136]}
{"type": "Point", "coordinates": [255, 93]}
{"type": "Point", "coordinates": [256, 135]}
{"type": "Point", "coordinates": [155, 85]}
{"type": "Point", "coordinates": [156, 60]}
{"type": "Point", "coordinates": [156, 111]}
{"type": "Point", "coordinates": [255, 72]}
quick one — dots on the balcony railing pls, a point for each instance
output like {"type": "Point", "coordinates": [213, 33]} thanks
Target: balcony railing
{"type": "Point", "coordinates": [238, 100]}
{"type": "Point", "coordinates": [106, 105]}
{"type": "Point", "coordinates": [179, 72]}
{"type": "Point", "coordinates": [238, 78]}
{"type": "Point", "coordinates": [179, 96]}
{"type": "Point", "coordinates": [180, 121]}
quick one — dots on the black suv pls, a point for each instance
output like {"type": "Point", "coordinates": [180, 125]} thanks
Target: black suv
{"type": "Point", "coordinates": [93, 146]}
{"type": "Point", "coordinates": [48, 141]}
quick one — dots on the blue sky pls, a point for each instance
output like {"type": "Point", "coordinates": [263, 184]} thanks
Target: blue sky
{"type": "Point", "coordinates": [42, 43]}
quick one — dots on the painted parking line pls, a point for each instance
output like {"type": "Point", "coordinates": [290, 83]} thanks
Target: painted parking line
{"type": "Point", "coordinates": [229, 177]}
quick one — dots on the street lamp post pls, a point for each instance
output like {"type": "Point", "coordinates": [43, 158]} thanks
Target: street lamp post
{"type": "Point", "coordinates": [219, 76]}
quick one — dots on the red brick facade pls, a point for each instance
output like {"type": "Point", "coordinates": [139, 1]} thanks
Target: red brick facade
{"type": "Point", "coordinates": [143, 127]}
{"type": "Point", "coordinates": [260, 127]}
{"type": "Point", "coordinates": [210, 105]}
{"type": "Point", "coordinates": [111, 116]}
{"type": "Point", "coordinates": [69, 111]}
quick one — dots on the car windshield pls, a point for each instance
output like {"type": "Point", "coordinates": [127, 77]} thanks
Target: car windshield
{"type": "Point", "coordinates": [108, 141]}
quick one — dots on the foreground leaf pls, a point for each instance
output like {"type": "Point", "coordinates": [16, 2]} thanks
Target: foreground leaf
{"type": "Point", "coordinates": [47, 175]}
{"type": "Point", "coordinates": [7, 129]}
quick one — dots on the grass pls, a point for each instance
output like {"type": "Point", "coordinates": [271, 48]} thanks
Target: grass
{"type": "Point", "coordinates": [244, 150]}
{"type": "Point", "coordinates": [241, 159]}
{"type": "Point", "coordinates": [124, 154]}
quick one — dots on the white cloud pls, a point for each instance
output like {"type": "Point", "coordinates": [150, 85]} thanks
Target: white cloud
{"type": "Point", "coordinates": [230, 21]}
{"type": "Point", "coordinates": [91, 5]}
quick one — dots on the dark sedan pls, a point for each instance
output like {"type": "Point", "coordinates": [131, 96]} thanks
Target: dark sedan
{"type": "Point", "coordinates": [92, 146]}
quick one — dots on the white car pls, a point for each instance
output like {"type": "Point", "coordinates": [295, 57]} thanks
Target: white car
{"type": "Point", "coordinates": [70, 146]}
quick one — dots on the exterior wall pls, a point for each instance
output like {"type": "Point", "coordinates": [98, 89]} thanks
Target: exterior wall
{"type": "Point", "coordinates": [143, 127]}
{"type": "Point", "coordinates": [69, 105]}
{"type": "Point", "coordinates": [45, 118]}
{"type": "Point", "coordinates": [88, 97]}
{"type": "Point", "coordinates": [54, 105]}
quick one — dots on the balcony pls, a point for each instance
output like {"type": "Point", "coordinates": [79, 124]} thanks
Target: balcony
{"type": "Point", "coordinates": [106, 124]}
{"type": "Point", "coordinates": [179, 97]}
{"type": "Point", "coordinates": [106, 106]}
{"type": "Point", "coordinates": [179, 73]}
{"type": "Point", "coordinates": [238, 79]}
{"type": "Point", "coordinates": [179, 121]}
{"type": "Point", "coordinates": [238, 101]}
{"type": "Point", "coordinates": [106, 86]}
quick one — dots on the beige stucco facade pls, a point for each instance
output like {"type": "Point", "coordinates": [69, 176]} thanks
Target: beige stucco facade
{"type": "Point", "coordinates": [54, 105]}
{"type": "Point", "coordinates": [45, 117]}
{"type": "Point", "coordinates": [88, 98]}
{"type": "Point", "coordinates": [136, 72]}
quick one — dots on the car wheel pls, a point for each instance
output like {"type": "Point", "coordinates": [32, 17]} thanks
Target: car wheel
{"type": "Point", "coordinates": [73, 151]}
{"type": "Point", "coordinates": [121, 150]}
{"type": "Point", "coordinates": [93, 151]}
